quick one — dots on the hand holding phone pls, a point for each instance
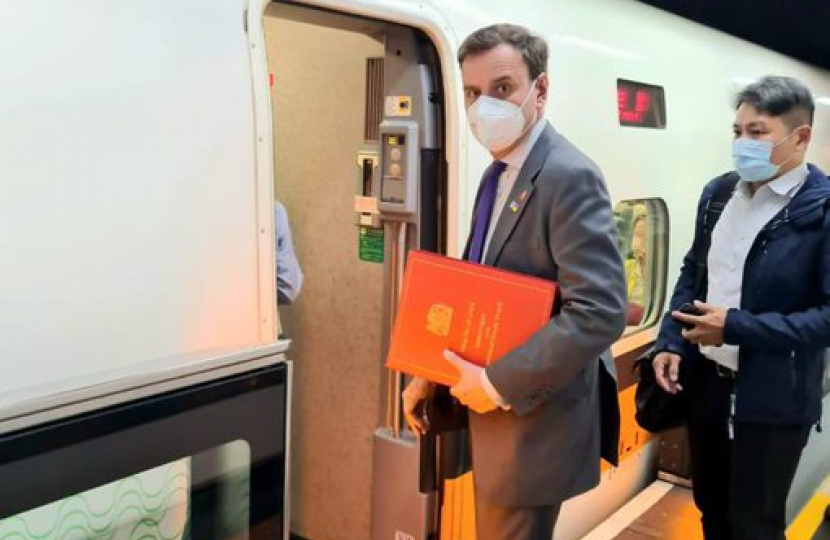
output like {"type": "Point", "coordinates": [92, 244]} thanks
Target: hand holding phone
{"type": "Point", "coordinates": [690, 309]}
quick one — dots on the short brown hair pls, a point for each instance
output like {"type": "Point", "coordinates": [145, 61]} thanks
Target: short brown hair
{"type": "Point", "coordinates": [534, 49]}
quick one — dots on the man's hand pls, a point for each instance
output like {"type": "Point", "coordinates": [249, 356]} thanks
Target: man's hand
{"type": "Point", "coordinates": [415, 392]}
{"type": "Point", "coordinates": [708, 327]}
{"type": "Point", "coordinates": [667, 371]}
{"type": "Point", "coordinates": [469, 389]}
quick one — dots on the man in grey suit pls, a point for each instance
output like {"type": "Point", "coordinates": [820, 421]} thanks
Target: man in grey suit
{"type": "Point", "coordinates": [542, 210]}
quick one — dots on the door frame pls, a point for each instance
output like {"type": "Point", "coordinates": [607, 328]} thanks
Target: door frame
{"type": "Point", "coordinates": [411, 14]}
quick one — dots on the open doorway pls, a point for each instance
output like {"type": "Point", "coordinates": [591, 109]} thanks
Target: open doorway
{"type": "Point", "coordinates": [336, 79]}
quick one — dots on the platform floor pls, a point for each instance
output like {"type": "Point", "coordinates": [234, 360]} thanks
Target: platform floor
{"type": "Point", "coordinates": [673, 517]}
{"type": "Point", "coordinates": [666, 511]}
{"type": "Point", "coordinates": [662, 511]}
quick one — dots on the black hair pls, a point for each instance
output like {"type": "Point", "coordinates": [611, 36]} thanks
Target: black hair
{"type": "Point", "coordinates": [780, 96]}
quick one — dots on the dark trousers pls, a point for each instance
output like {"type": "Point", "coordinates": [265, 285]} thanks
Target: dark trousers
{"type": "Point", "coordinates": [495, 522]}
{"type": "Point", "coordinates": [740, 486]}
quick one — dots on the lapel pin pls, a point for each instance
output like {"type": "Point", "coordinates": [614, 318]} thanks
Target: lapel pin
{"type": "Point", "coordinates": [514, 206]}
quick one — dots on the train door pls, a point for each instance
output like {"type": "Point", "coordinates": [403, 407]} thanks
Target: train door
{"type": "Point", "coordinates": [359, 167]}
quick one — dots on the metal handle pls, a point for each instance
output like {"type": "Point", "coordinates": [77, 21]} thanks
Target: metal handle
{"type": "Point", "coordinates": [396, 293]}
{"type": "Point", "coordinates": [394, 379]}
{"type": "Point", "coordinates": [392, 299]}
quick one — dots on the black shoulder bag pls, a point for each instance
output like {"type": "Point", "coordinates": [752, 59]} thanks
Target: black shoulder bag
{"type": "Point", "coordinates": [656, 409]}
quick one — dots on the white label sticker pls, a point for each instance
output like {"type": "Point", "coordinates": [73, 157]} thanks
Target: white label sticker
{"type": "Point", "coordinates": [366, 205]}
{"type": "Point", "coordinates": [398, 105]}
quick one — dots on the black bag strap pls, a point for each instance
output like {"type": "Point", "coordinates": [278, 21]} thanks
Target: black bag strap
{"type": "Point", "coordinates": [724, 187]}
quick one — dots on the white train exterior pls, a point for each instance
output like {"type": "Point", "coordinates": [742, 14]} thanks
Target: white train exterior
{"type": "Point", "coordinates": [142, 145]}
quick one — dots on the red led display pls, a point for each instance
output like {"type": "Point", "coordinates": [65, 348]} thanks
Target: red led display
{"type": "Point", "coordinates": [640, 105]}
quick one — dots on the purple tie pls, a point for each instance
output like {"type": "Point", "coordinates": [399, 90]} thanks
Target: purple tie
{"type": "Point", "coordinates": [484, 210]}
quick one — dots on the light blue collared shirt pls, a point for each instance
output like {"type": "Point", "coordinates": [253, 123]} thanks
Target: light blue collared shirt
{"type": "Point", "coordinates": [289, 274]}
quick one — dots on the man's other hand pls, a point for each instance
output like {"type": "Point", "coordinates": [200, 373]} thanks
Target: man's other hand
{"type": "Point", "coordinates": [415, 392]}
{"type": "Point", "coordinates": [667, 371]}
{"type": "Point", "coordinates": [469, 389]}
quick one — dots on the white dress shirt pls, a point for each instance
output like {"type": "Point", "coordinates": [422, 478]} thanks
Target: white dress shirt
{"type": "Point", "coordinates": [743, 218]}
{"type": "Point", "coordinates": [514, 161]}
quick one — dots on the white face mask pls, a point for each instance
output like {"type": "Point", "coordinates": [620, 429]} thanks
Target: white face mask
{"type": "Point", "coordinates": [497, 123]}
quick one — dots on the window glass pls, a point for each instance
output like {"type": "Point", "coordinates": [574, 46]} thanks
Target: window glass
{"type": "Point", "coordinates": [157, 504]}
{"type": "Point", "coordinates": [203, 462]}
{"type": "Point", "coordinates": [642, 229]}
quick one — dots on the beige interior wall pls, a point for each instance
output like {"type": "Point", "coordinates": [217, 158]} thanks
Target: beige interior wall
{"type": "Point", "coordinates": [318, 96]}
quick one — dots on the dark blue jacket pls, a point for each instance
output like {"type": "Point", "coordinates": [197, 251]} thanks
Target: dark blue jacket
{"type": "Point", "coordinates": [783, 326]}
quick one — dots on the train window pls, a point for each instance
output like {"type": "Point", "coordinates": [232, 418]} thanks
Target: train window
{"type": "Point", "coordinates": [202, 462]}
{"type": "Point", "coordinates": [202, 496]}
{"type": "Point", "coordinates": [642, 228]}
{"type": "Point", "coordinates": [641, 105]}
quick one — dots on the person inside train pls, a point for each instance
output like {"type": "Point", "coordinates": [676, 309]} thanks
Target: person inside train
{"type": "Point", "coordinates": [636, 270]}
{"type": "Point", "coordinates": [289, 273]}
{"type": "Point", "coordinates": [542, 209]}
{"type": "Point", "coordinates": [755, 347]}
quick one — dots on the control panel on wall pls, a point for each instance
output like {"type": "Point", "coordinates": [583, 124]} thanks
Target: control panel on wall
{"type": "Point", "coordinates": [399, 168]}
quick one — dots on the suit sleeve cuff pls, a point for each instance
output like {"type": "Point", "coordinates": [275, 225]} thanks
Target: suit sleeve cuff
{"type": "Point", "coordinates": [491, 391]}
{"type": "Point", "coordinates": [731, 327]}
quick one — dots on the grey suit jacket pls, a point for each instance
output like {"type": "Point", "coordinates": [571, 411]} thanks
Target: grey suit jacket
{"type": "Point", "coordinates": [547, 448]}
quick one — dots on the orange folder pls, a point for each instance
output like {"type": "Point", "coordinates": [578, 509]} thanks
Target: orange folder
{"type": "Point", "coordinates": [479, 312]}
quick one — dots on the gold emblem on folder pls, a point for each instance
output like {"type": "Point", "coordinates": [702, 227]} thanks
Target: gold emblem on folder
{"type": "Point", "coordinates": [439, 319]}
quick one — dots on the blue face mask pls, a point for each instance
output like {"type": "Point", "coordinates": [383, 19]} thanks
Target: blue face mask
{"type": "Point", "coordinates": [753, 158]}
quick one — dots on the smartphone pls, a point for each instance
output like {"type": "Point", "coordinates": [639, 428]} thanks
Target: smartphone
{"type": "Point", "coordinates": [689, 309]}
